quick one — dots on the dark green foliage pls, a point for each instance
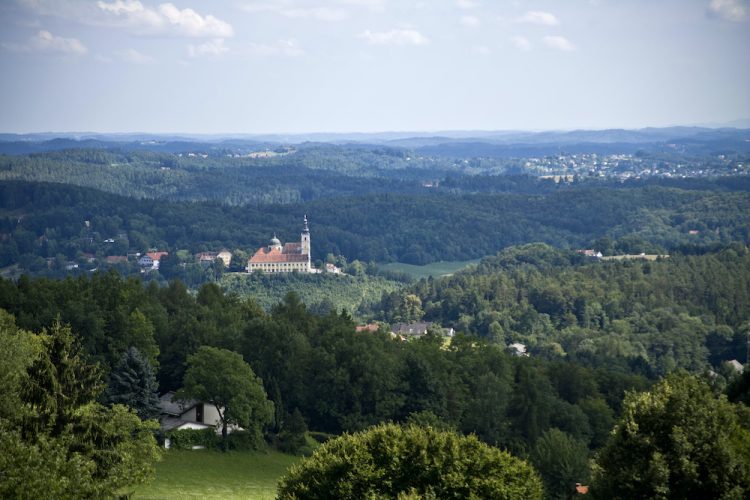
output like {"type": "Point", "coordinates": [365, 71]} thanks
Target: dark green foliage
{"type": "Point", "coordinates": [738, 390]}
{"type": "Point", "coordinates": [223, 378]}
{"type": "Point", "coordinates": [416, 227]}
{"type": "Point", "coordinates": [186, 439]}
{"type": "Point", "coordinates": [59, 442]}
{"type": "Point", "coordinates": [391, 461]}
{"type": "Point", "coordinates": [132, 382]}
{"type": "Point", "coordinates": [633, 316]}
{"type": "Point", "coordinates": [293, 432]}
{"type": "Point", "coordinates": [676, 441]}
{"type": "Point", "coordinates": [562, 461]}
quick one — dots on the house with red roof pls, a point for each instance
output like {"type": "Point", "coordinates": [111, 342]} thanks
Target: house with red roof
{"type": "Point", "coordinates": [151, 260]}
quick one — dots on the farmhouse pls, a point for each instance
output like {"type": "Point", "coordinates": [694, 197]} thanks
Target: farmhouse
{"type": "Point", "coordinates": [190, 414]}
{"type": "Point", "coordinates": [276, 258]}
{"type": "Point", "coordinates": [208, 258]}
{"type": "Point", "coordinates": [151, 260]}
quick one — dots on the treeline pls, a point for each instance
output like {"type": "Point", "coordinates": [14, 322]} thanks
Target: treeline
{"type": "Point", "coordinates": [649, 317]}
{"type": "Point", "coordinates": [338, 379]}
{"type": "Point", "coordinates": [47, 221]}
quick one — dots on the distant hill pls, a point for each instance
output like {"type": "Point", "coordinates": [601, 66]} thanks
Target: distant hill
{"type": "Point", "coordinates": [449, 143]}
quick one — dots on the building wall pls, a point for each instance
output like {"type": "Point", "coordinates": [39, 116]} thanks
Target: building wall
{"type": "Point", "coordinates": [281, 267]}
{"type": "Point", "coordinates": [210, 414]}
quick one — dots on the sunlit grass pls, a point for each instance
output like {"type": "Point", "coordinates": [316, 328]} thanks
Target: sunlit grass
{"type": "Point", "coordinates": [212, 474]}
{"type": "Point", "coordinates": [435, 269]}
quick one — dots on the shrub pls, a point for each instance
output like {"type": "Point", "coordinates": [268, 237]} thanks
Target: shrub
{"type": "Point", "coordinates": [392, 461]}
{"type": "Point", "coordinates": [186, 439]}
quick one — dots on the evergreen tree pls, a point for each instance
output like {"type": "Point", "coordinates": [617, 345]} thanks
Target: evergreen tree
{"type": "Point", "coordinates": [133, 383]}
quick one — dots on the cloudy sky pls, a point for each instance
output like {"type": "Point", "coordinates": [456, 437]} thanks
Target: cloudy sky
{"type": "Point", "coordinates": [261, 66]}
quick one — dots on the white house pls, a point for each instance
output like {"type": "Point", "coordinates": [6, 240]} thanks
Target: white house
{"type": "Point", "coordinates": [190, 414]}
{"type": "Point", "coordinates": [518, 349]}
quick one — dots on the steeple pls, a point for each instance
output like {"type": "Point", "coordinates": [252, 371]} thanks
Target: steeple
{"type": "Point", "coordinates": [305, 241]}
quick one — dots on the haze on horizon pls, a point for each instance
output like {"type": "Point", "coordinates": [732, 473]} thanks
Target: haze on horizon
{"type": "Point", "coordinates": [300, 66]}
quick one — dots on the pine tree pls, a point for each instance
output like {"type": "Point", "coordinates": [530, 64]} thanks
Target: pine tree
{"type": "Point", "coordinates": [133, 383]}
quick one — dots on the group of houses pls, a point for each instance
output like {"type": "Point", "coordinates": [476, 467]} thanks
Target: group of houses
{"type": "Point", "coordinates": [272, 258]}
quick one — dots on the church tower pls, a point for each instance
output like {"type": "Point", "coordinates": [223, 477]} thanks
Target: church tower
{"type": "Point", "coordinates": [305, 242]}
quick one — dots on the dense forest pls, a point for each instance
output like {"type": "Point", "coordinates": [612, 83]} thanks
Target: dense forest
{"type": "Point", "coordinates": [338, 379]}
{"type": "Point", "coordinates": [649, 317]}
{"type": "Point", "coordinates": [48, 221]}
{"type": "Point", "coordinates": [596, 330]}
{"type": "Point", "coordinates": [314, 366]}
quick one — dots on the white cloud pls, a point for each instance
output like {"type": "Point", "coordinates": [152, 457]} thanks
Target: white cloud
{"type": "Point", "coordinates": [166, 19]}
{"type": "Point", "coordinates": [466, 4]}
{"type": "Point", "coordinates": [320, 10]}
{"type": "Point", "coordinates": [731, 10]}
{"type": "Point", "coordinates": [134, 57]}
{"type": "Point", "coordinates": [213, 47]}
{"type": "Point", "coordinates": [520, 42]}
{"type": "Point", "coordinates": [558, 43]}
{"type": "Point", "coordinates": [470, 21]}
{"type": "Point", "coordinates": [394, 37]}
{"type": "Point", "coordinates": [44, 41]}
{"type": "Point", "coordinates": [285, 48]}
{"type": "Point", "coordinates": [191, 23]}
{"type": "Point", "coordinates": [538, 17]}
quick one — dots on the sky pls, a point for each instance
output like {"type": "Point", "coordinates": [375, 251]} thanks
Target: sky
{"type": "Point", "coordinates": [298, 66]}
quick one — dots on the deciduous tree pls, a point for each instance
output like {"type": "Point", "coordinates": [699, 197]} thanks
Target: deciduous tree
{"type": "Point", "coordinates": [223, 378]}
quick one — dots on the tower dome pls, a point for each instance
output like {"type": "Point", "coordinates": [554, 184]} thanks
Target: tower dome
{"type": "Point", "coordinates": [274, 243]}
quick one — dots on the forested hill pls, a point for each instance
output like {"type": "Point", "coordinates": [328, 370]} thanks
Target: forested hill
{"type": "Point", "coordinates": [651, 317]}
{"type": "Point", "coordinates": [40, 221]}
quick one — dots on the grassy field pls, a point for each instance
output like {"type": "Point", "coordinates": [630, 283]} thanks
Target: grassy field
{"type": "Point", "coordinates": [212, 474]}
{"type": "Point", "coordinates": [436, 269]}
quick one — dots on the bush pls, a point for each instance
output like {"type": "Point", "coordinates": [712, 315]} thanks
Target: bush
{"type": "Point", "coordinates": [243, 441]}
{"type": "Point", "coordinates": [186, 439]}
{"type": "Point", "coordinates": [393, 462]}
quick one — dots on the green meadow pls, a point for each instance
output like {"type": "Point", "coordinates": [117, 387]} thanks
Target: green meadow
{"type": "Point", "coordinates": [435, 269]}
{"type": "Point", "coordinates": [212, 474]}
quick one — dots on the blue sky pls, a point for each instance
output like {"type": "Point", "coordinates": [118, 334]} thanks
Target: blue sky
{"type": "Point", "coordinates": [284, 66]}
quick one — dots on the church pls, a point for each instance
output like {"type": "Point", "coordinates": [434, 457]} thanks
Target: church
{"type": "Point", "coordinates": [276, 258]}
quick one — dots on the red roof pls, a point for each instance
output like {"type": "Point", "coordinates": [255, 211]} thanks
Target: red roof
{"type": "Point", "coordinates": [157, 255]}
{"type": "Point", "coordinates": [372, 327]}
{"type": "Point", "coordinates": [581, 490]}
{"type": "Point", "coordinates": [274, 255]}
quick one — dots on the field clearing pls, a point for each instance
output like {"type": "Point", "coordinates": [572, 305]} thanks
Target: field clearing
{"type": "Point", "coordinates": [212, 474]}
{"type": "Point", "coordinates": [435, 269]}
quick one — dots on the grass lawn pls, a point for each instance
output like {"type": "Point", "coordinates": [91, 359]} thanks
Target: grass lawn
{"type": "Point", "coordinates": [435, 269]}
{"type": "Point", "coordinates": [212, 474]}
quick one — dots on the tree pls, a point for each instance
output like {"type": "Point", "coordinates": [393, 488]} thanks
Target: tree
{"type": "Point", "coordinates": [676, 441]}
{"type": "Point", "coordinates": [223, 378]}
{"type": "Point", "coordinates": [390, 461]}
{"type": "Point", "coordinates": [60, 442]}
{"type": "Point", "coordinates": [562, 461]}
{"type": "Point", "coordinates": [133, 383]}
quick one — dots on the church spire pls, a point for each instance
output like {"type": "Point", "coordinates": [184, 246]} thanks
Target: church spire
{"type": "Point", "coordinates": [305, 229]}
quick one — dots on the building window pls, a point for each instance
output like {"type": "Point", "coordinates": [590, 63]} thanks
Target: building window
{"type": "Point", "coordinates": [199, 413]}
